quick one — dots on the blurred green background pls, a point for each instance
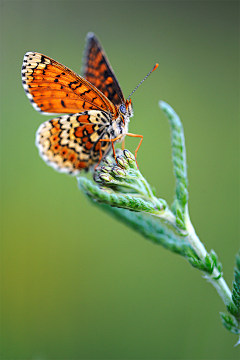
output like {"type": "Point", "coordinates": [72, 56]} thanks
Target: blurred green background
{"type": "Point", "coordinates": [77, 284]}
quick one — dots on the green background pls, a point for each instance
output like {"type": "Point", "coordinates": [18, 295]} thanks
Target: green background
{"type": "Point", "coordinates": [77, 284]}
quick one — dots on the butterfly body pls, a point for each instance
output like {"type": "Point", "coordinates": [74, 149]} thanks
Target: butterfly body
{"type": "Point", "coordinates": [97, 113]}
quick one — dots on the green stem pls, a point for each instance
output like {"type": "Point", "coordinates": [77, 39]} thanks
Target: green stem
{"type": "Point", "coordinates": [147, 188]}
{"type": "Point", "coordinates": [221, 287]}
{"type": "Point", "coordinates": [219, 283]}
{"type": "Point", "coordinates": [193, 239]}
{"type": "Point", "coordinates": [167, 215]}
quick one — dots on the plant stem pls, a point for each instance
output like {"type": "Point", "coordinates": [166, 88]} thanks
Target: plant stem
{"type": "Point", "coordinates": [166, 215]}
{"type": "Point", "coordinates": [221, 287]}
{"type": "Point", "coordinates": [193, 238]}
{"type": "Point", "coordinates": [219, 284]}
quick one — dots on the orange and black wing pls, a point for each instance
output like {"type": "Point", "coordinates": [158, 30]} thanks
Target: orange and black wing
{"type": "Point", "coordinates": [97, 70]}
{"type": "Point", "coordinates": [70, 143]}
{"type": "Point", "coordinates": [52, 88]}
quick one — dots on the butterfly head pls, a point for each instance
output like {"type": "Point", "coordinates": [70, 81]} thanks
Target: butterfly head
{"type": "Point", "coordinates": [129, 107]}
{"type": "Point", "coordinates": [126, 111]}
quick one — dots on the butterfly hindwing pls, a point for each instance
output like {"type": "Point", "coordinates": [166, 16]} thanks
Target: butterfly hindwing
{"type": "Point", "coordinates": [97, 70]}
{"type": "Point", "coordinates": [71, 143]}
{"type": "Point", "coordinates": [53, 88]}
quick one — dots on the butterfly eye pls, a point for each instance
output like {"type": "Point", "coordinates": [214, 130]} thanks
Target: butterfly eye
{"type": "Point", "coordinates": [122, 109]}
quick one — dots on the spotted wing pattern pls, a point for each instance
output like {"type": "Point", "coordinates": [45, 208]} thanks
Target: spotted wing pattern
{"type": "Point", "coordinates": [71, 143]}
{"type": "Point", "coordinates": [97, 70]}
{"type": "Point", "coordinates": [53, 88]}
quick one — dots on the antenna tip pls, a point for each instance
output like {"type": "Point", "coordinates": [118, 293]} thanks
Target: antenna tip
{"type": "Point", "coordinates": [155, 67]}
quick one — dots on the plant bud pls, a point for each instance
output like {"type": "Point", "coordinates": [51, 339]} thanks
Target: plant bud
{"type": "Point", "coordinates": [108, 161]}
{"type": "Point", "coordinates": [106, 169]}
{"type": "Point", "coordinates": [116, 170]}
{"type": "Point", "coordinates": [106, 177]}
{"type": "Point", "coordinates": [122, 162]}
{"type": "Point", "coordinates": [130, 158]}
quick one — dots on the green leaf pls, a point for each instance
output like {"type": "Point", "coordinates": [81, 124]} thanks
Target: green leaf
{"type": "Point", "coordinates": [151, 228]}
{"type": "Point", "coordinates": [233, 309]}
{"type": "Point", "coordinates": [216, 263]}
{"type": "Point", "coordinates": [116, 198]}
{"type": "Point", "coordinates": [214, 257]}
{"type": "Point", "coordinates": [236, 286]}
{"type": "Point", "coordinates": [180, 224]}
{"type": "Point", "coordinates": [179, 162]}
{"type": "Point", "coordinates": [197, 263]}
{"type": "Point", "coordinates": [230, 323]}
{"type": "Point", "coordinates": [209, 263]}
{"type": "Point", "coordinates": [206, 266]}
{"type": "Point", "coordinates": [238, 260]}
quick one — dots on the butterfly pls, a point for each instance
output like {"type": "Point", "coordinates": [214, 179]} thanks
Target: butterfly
{"type": "Point", "coordinates": [96, 112]}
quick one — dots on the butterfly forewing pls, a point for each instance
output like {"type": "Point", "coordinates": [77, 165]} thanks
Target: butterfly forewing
{"type": "Point", "coordinates": [53, 88]}
{"type": "Point", "coordinates": [71, 143]}
{"type": "Point", "coordinates": [97, 70]}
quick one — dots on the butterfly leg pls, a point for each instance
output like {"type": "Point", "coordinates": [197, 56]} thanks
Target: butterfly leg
{"type": "Point", "coordinates": [100, 149]}
{"type": "Point", "coordinates": [140, 142]}
{"type": "Point", "coordinates": [111, 141]}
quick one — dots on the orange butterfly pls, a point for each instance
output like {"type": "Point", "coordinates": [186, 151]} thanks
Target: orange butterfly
{"type": "Point", "coordinates": [99, 113]}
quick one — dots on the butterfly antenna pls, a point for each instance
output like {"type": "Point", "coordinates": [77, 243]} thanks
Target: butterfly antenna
{"type": "Point", "coordinates": [154, 68]}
